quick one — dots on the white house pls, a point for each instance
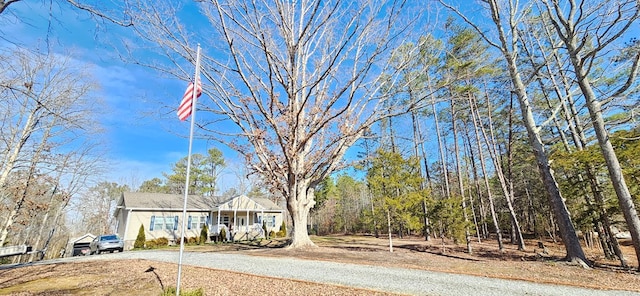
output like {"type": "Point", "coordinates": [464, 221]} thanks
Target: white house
{"type": "Point", "coordinates": [161, 215]}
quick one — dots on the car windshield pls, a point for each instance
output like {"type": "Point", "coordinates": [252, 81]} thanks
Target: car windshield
{"type": "Point", "coordinates": [108, 237]}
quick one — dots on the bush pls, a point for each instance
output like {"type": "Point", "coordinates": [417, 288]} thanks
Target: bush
{"type": "Point", "coordinates": [264, 229]}
{"type": "Point", "coordinates": [283, 229]}
{"type": "Point", "coordinates": [272, 233]}
{"type": "Point", "coordinates": [140, 239]}
{"type": "Point", "coordinates": [170, 291]}
{"type": "Point", "coordinates": [281, 234]}
{"type": "Point", "coordinates": [192, 240]}
{"type": "Point", "coordinates": [223, 235]}
{"type": "Point", "coordinates": [151, 244]}
{"type": "Point", "coordinates": [162, 241]}
{"type": "Point", "coordinates": [204, 234]}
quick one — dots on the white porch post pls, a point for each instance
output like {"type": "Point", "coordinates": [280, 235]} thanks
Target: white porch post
{"type": "Point", "coordinates": [235, 223]}
{"type": "Point", "coordinates": [262, 223]}
{"type": "Point", "coordinates": [126, 227]}
{"type": "Point", "coordinates": [218, 225]}
{"type": "Point", "coordinates": [247, 225]}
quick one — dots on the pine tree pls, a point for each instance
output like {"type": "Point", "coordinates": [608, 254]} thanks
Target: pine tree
{"type": "Point", "coordinates": [283, 229]}
{"type": "Point", "coordinates": [204, 234]}
{"type": "Point", "coordinates": [140, 239]}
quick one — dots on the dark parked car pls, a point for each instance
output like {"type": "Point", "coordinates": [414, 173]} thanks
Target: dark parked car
{"type": "Point", "coordinates": [104, 243]}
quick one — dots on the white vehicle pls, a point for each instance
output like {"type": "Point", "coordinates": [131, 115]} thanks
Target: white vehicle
{"type": "Point", "coordinates": [104, 243]}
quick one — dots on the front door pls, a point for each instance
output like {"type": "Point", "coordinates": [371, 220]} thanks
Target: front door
{"type": "Point", "coordinates": [225, 220]}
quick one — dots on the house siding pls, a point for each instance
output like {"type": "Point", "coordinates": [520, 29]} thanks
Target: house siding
{"type": "Point", "coordinates": [144, 218]}
{"type": "Point", "coordinates": [247, 213]}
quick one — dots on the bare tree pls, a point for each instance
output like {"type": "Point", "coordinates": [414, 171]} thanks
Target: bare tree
{"type": "Point", "coordinates": [478, 128]}
{"type": "Point", "coordinates": [559, 82]}
{"type": "Point", "coordinates": [299, 82]}
{"type": "Point", "coordinates": [117, 16]}
{"type": "Point", "coordinates": [507, 16]}
{"type": "Point", "coordinates": [68, 177]}
{"type": "Point", "coordinates": [96, 206]}
{"type": "Point", "coordinates": [45, 113]}
{"type": "Point", "coordinates": [587, 30]}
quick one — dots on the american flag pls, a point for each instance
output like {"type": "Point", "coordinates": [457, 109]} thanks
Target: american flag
{"type": "Point", "coordinates": [187, 100]}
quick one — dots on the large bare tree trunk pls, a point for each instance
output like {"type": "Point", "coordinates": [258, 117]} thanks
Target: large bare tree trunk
{"type": "Point", "coordinates": [299, 205]}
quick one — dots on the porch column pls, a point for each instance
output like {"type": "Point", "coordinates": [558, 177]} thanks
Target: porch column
{"type": "Point", "coordinates": [218, 225]}
{"type": "Point", "coordinates": [247, 226]}
{"type": "Point", "coordinates": [126, 227]}
{"type": "Point", "coordinates": [235, 220]}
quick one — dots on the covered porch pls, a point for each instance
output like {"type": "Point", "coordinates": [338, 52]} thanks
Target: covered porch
{"type": "Point", "coordinates": [242, 219]}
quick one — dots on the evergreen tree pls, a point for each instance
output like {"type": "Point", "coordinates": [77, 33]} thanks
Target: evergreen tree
{"type": "Point", "coordinates": [395, 183]}
{"type": "Point", "coordinates": [283, 229]}
{"type": "Point", "coordinates": [140, 239]}
{"type": "Point", "coordinates": [204, 234]}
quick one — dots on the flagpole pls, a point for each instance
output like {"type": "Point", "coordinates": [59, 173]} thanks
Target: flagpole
{"type": "Point", "coordinates": [186, 183]}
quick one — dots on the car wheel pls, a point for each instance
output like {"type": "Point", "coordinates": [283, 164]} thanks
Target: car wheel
{"type": "Point", "coordinates": [120, 250]}
{"type": "Point", "coordinates": [111, 251]}
{"type": "Point", "coordinates": [98, 252]}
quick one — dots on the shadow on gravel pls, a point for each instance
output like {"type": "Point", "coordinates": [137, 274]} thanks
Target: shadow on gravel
{"type": "Point", "coordinates": [435, 250]}
{"type": "Point", "coordinates": [250, 245]}
{"type": "Point", "coordinates": [358, 249]}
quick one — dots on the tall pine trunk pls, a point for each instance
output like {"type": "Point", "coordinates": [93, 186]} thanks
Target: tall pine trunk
{"type": "Point", "coordinates": [508, 44]}
{"type": "Point", "coordinates": [613, 165]}
{"type": "Point", "coordinates": [417, 142]}
{"type": "Point", "coordinates": [460, 180]}
{"type": "Point", "coordinates": [570, 31]}
{"type": "Point", "coordinates": [475, 115]}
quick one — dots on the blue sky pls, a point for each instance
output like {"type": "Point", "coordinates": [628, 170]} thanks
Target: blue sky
{"type": "Point", "coordinates": [142, 132]}
{"type": "Point", "coordinates": [143, 138]}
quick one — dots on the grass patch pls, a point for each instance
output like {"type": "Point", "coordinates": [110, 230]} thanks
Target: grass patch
{"type": "Point", "coordinates": [170, 291]}
{"type": "Point", "coordinates": [66, 284]}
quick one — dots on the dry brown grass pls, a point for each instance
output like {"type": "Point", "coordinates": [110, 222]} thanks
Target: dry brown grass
{"type": "Point", "coordinates": [129, 278]}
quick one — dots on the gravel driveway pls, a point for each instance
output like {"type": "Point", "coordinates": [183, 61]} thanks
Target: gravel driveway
{"type": "Point", "coordinates": [397, 280]}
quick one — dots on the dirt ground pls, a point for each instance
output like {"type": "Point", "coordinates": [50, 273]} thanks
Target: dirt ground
{"type": "Point", "coordinates": [130, 278]}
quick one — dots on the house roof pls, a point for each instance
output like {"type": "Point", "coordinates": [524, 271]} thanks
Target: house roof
{"type": "Point", "coordinates": [163, 201]}
{"type": "Point", "coordinates": [267, 203]}
{"type": "Point", "coordinates": [85, 238]}
{"type": "Point", "coordinates": [145, 200]}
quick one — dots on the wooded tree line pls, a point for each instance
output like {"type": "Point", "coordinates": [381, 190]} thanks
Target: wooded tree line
{"type": "Point", "coordinates": [48, 151]}
{"type": "Point", "coordinates": [553, 168]}
{"type": "Point", "coordinates": [509, 119]}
